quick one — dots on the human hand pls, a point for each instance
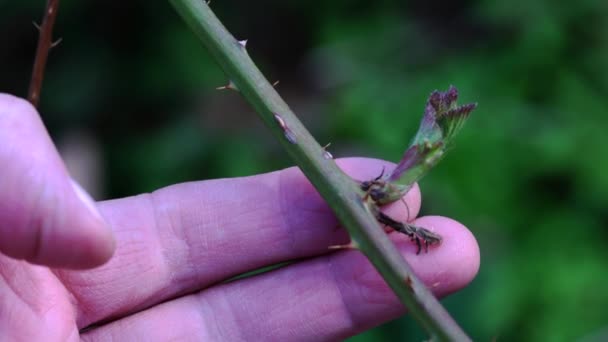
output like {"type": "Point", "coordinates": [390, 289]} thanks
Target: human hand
{"type": "Point", "coordinates": [176, 247]}
{"type": "Point", "coordinates": [45, 217]}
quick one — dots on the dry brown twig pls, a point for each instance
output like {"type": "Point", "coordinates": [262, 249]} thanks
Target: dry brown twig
{"type": "Point", "coordinates": [45, 44]}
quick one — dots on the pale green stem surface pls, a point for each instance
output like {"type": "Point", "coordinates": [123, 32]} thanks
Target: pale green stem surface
{"type": "Point", "coordinates": [341, 192]}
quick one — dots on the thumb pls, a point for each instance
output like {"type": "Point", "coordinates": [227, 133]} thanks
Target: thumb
{"type": "Point", "coordinates": [45, 217]}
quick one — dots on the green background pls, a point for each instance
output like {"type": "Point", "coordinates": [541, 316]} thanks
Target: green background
{"type": "Point", "coordinates": [528, 174]}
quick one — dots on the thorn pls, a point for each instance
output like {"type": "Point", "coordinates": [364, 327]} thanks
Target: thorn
{"type": "Point", "coordinates": [408, 282]}
{"type": "Point", "coordinates": [289, 135]}
{"type": "Point", "coordinates": [57, 42]}
{"type": "Point", "coordinates": [208, 2]}
{"type": "Point", "coordinates": [36, 25]}
{"type": "Point", "coordinates": [230, 86]}
{"type": "Point", "coordinates": [280, 121]}
{"type": "Point", "coordinates": [243, 43]}
{"type": "Point", "coordinates": [275, 83]}
{"type": "Point", "coordinates": [326, 153]}
{"type": "Point", "coordinates": [349, 246]}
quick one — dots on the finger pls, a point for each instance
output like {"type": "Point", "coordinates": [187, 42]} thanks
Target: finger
{"type": "Point", "coordinates": [45, 217]}
{"type": "Point", "coordinates": [324, 299]}
{"type": "Point", "coordinates": [187, 237]}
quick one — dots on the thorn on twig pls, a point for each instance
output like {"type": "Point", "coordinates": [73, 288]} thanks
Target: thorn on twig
{"type": "Point", "coordinates": [243, 43]}
{"type": "Point", "coordinates": [408, 282]}
{"type": "Point", "coordinates": [289, 135]}
{"type": "Point", "coordinates": [349, 246]}
{"type": "Point", "coordinates": [36, 25]}
{"type": "Point", "coordinates": [57, 42]}
{"type": "Point", "coordinates": [208, 2]}
{"type": "Point", "coordinates": [230, 86]}
{"type": "Point", "coordinates": [280, 121]}
{"type": "Point", "coordinates": [326, 153]}
{"type": "Point", "coordinates": [275, 83]}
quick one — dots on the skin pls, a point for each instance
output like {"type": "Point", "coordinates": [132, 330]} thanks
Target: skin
{"type": "Point", "coordinates": [151, 267]}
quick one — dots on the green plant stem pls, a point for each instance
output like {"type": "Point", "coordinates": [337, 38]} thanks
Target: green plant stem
{"type": "Point", "coordinates": [341, 192]}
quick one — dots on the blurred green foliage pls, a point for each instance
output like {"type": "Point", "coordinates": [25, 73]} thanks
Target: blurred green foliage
{"type": "Point", "coordinates": [528, 174]}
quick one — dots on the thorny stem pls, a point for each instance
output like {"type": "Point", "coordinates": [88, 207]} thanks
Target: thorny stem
{"type": "Point", "coordinates": [342, 193]}
{"type": "Point", "coordinates": [45, 43]}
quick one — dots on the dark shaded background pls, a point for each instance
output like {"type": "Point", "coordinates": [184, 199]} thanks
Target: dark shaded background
{"type": "Point", "coordinates": [129, 97]}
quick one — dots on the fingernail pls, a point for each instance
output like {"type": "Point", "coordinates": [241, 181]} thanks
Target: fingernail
{"type": "Point", "coordinates": [104, 243]}
{"type": "Point", "coordinates": [86, 199]}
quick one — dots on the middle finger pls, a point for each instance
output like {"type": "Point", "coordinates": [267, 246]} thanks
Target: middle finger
{"type": "Point", "coordinates": [187, 237]}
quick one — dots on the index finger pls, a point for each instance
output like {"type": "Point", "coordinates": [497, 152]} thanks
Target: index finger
{"type": "Point", "coordinates": [190, 236]}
